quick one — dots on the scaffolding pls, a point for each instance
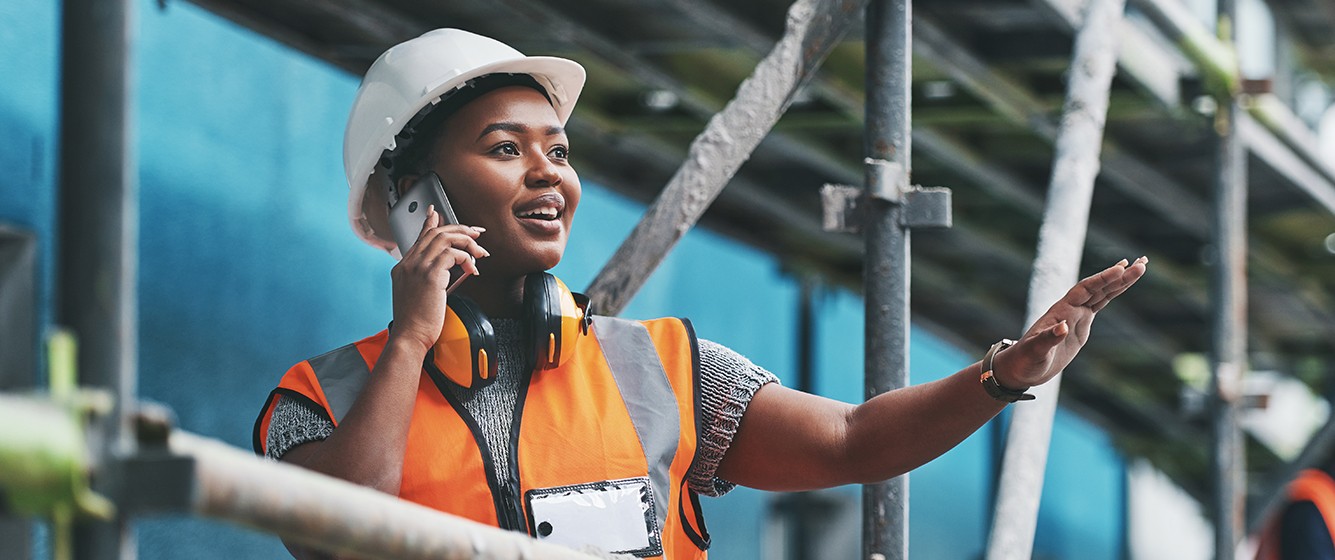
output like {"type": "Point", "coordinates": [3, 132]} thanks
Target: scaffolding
{"type": "Point", "coordinates": [142, 464]}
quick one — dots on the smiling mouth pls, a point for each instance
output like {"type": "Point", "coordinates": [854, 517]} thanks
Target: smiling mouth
{"type": "Point", "coordinates": [549, 207]}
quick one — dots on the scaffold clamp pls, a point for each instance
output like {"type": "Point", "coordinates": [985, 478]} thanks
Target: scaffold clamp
{"type": "Point", "coordinates": [923, 207]}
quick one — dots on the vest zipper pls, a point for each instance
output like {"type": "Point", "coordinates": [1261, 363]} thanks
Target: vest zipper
{"type": "Point", "coordinates": [504, 493]}
{"type": "Point", "coordinates": [516, 504]}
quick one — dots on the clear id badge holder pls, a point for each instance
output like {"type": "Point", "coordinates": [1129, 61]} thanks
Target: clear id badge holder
{"type": "Point", "coordinates": [615, 516]}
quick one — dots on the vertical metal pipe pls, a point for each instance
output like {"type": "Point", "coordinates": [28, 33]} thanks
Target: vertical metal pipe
{"type": "Point", "coordinates": [98, 229]}
{"type": "Point", "coordinates": [1229, 336]}
{"type": "Point", "coordinates": [1228, 315]}
{"type": "Point", "coordinates": [885, 515]}
{"type": "Point", "coordinates": [18, 359]}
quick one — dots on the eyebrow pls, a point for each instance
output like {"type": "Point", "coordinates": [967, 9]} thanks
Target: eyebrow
{"type": "Point", "coordinates": [516, 128]}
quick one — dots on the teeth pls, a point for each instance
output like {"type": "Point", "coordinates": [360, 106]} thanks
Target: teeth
{"type": "Point", "coordinates": [543, 214]}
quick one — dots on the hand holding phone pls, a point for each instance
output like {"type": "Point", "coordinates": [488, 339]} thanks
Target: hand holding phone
{"type": "Point", "coordinates": [409, 212]}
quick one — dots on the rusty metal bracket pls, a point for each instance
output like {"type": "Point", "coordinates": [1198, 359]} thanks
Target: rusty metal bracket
{"type": "Point", "coordinates": [924, 207]}
{"type": "Point", "coordinates": [887, 180]}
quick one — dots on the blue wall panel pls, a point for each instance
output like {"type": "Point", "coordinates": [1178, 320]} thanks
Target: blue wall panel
{"type": "Point", "coordinates": [1083, 511]}
{"type": "Point", "coordinates": [29, 105]}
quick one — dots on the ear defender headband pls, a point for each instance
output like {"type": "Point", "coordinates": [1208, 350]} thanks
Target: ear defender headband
{"type": "Point", "coordinates": [554, 320]}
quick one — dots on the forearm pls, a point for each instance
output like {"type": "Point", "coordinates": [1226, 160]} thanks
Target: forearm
{"type": "Point", "coordinates": [367, 447]}
{"type": "Point", "coordinates": [790, 440]}
{"type": "Point", "coordinates": [901, 430]}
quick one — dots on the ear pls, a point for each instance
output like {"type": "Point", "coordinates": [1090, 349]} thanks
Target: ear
{"type": "Point", "coordinates": [405, 182]}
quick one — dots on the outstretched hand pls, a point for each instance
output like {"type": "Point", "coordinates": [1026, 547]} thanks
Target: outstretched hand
{"type": "Point", "coordinates": [1056, 337]}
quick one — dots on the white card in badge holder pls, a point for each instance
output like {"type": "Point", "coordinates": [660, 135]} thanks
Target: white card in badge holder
{"type": "Point", "coordinates": [615, 516]}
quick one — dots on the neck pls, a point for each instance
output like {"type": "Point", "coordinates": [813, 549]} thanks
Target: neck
{"type": "Point", "coordinates": [501, 298]}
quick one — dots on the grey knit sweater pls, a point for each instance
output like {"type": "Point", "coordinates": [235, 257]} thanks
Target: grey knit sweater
{"type": "Point", "coordinates": [728, 381]}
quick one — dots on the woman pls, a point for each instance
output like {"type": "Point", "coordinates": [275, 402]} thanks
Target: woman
{"type": "Point", "coordinates": [521, 430]}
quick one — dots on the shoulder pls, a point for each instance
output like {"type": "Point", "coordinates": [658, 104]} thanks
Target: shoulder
{"type": "Point", "coordinates": [665, 331]}
{"type": "Point", "coordinates": [369, 348]}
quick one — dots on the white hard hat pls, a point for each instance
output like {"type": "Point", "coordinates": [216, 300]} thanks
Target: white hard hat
{"type": "Point", "coordinates": [412, 75]}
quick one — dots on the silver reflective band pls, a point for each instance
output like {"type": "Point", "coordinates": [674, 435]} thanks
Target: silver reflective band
{"type": "Point", "coordinates": [648, 395]}
{"type": "Point", "coordinates": [342, 374]}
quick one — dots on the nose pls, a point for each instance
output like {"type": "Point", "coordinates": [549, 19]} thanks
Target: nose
{"type": "Point", "coordinates": [542, 173]}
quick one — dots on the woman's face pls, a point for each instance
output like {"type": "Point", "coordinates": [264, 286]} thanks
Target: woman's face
{"type": "Point", "coordinates": [503, 159]}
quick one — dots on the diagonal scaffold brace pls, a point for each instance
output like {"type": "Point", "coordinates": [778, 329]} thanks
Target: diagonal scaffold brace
{"type": "Point", "coordinates": [813, 28]}
{"type": "Point", "coordinates": [1061, 242]}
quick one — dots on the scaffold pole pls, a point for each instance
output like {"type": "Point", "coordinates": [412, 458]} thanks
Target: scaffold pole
{"type": "Point", "coordinates": [1228, 344]}
{"type": "Point", "coordinates": [97, 220]}
{"type": "Point", "coordinates": [1061, 242]}
{"type": "Point", "coordinates": [887, 143]}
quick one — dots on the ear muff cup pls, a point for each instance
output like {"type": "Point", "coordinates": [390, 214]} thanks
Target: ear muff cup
{"type": "Point", "coordinates": [554, 320]}
{"type": "Point", "coordinates": [466, 350]}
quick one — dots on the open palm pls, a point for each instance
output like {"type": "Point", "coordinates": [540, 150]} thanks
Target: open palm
{"type": "Point", "coordinates": [1056, 337]}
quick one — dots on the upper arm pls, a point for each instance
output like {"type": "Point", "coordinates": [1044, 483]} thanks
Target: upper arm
{"type": "Point", "coordinates": [789, 440]}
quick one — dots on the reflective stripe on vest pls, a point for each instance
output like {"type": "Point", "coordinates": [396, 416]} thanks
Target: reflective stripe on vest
{"type": "Point", "coordinates": [342, 374]}
{"type": "Point", "coordinates": [644, 387]}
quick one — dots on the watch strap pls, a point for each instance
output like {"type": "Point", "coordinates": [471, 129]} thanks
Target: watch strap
{"type": "Point", "coordinates": [989, 378]}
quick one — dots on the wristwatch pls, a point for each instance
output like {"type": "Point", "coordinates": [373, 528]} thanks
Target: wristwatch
{"type": "Point", "coordinates": [989, 379]}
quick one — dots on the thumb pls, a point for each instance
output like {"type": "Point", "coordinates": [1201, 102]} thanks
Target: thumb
{"type": "Point", "coordinates": [1050, 337]}
{"type": "Point", "coordinates": [432, 217]}
{"type": "Point", "coordinates": [430, 221]}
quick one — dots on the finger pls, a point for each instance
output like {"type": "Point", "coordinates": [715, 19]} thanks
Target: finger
{"type": "Point", "coordinates": [465, 239]}
{"type": "Point", "coordinates": [465, 261]}
{"type": "Point", "coordinates": [1094, 287]}
{"type": "Point", "coordinates": [1129, 277]}
{"type": "Point", "coordinates": [427, 225]}
{"type": "Point", "coordinates": [430, 222]}
{"type": "Point", "coordinates": [470, 231]}
{"type": "Point", "coordinates": [1133, 274]}
{"type": "Point", "coordinates": [439, 241]}
{"type": "Point", "coordinates": [450, 247]}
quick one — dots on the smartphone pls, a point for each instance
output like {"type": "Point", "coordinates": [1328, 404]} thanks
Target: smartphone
{"type": "Point", "coordinates": [408, 213]}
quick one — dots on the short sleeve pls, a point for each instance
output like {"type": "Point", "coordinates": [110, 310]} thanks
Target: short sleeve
{"type": "Point", "coordinates": [295, 422]}
{"type": "Point", "coordinates": [728, 382]}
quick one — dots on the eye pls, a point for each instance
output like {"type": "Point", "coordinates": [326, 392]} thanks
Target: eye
{"type": "Point", "coordinates": [560, 152]}
{"type": "Point", "coordinates": [507, 149]}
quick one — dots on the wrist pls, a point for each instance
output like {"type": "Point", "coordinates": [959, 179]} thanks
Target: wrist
{"type": "Point", "coordinates": [1004, 369]}
{"type": "Point", "coordinates": [990, 377]}
{"type": "Point", "coordinates": [408, 344]}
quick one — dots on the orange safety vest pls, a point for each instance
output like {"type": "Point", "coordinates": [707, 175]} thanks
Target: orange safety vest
{"type": "Point", "coordinates": [602, 426]}
{"type": "Point", "coordinates": [1312, 485]}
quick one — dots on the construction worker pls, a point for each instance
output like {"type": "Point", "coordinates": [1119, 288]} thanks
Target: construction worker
{"type": "Point", "coordinates": [506, 403]}
{"type": "Point", "coordinates": [1305, 528]}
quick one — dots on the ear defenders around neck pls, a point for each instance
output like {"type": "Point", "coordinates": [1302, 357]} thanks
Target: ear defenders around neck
{"type": "Point", "coordinates": [554, 320]}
